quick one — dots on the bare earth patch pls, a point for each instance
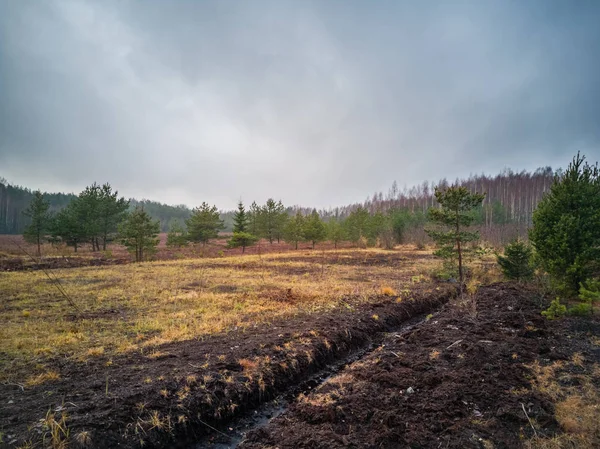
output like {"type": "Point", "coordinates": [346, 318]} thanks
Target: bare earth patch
{"type": "Point", "coordinates": [496, 376]}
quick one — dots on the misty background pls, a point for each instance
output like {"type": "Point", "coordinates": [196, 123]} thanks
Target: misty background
{"type": "Point", "coordinates": [319, 103]}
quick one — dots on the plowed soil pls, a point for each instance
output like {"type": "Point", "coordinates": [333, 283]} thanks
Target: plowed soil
{"type": "Point", "coordinates": [174, 396]}
{"type": "Point", "coordinates": [460, 379]}
{"type": "Point", "coordinates": [457, 381]}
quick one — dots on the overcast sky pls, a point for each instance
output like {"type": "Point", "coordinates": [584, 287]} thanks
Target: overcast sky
{"type": "Point", "coordinates": [319, 103]}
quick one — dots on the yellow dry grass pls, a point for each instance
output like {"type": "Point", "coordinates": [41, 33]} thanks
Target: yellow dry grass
{"type": "Point", "coordinates": [577, 407]}
{"type": "Point", "coordinates": [388, 291]}
{"type": "Point", "coordinates": [137, 307]}
{"type": "Point", "coordinates": [46, 376]}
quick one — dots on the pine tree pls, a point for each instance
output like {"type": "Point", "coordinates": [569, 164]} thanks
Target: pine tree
{"type": "Point", "coordinates": [357, 224]}
{"type": "Point", "coordinates": [93, 216]}
{"type": "Point", "coordinates": [399, 222]}
{"type": "Point", "coordinates": [271, 213]}
{"type": "Point", "coordinates": [240, 219]}
{"type": "Point", "coordinates": [241, 236]}
{"type": "Point", "coordinates": [139, 233]}
{"type": "Point", "coordinates": [335, 232]}
{"type": "Point", "coordinates": [112, 211]}
{"type": "Point", "coordinates": [66, 228]}
{"type": "Point", "coordinates": [204, 224]}
{"type": "Point", "coordinates": [40, 221]}
{"type": "Point", "coordinates": [294, 230]}
{"type": "Point", "coordinates": [566, 226]}
{"type": "Point", "coordinates": [177, 236]}
{"type": "Point", "coordinates": [455, 214]}
{"type": "Point", "coordinates": [243, 239]}
{"type": "Point", "coordinates": [380, 229]}
{"type": "Point", "coordinates": [281, 220]}
{"type": "Point", "coordinates": [516, 263]}
{"type": "Point", "coordinates": [590, 293]}
{"type": "Point", "coordinates": [314, 229]}
{"type": "Point", "coordinates": [88, 207]}
{"type": "Point", "coordinates": [255, 219]}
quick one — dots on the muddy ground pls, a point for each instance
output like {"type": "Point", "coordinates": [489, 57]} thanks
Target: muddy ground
{"type": "Point", "coordinates": [457, 381]}
{"type": "Point", "coordinates": [175, 395]}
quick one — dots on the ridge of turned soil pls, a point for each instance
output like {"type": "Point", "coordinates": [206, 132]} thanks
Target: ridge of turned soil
{"type": "Point", "coordinates": [459, 380]}
{"type": "Point", "coordinates": [168, 398]}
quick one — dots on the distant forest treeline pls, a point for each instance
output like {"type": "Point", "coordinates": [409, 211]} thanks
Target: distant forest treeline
{"type": "Point", "coordinates": [15, 199]}
{"type": "Point", "coordinates": [511, 199]}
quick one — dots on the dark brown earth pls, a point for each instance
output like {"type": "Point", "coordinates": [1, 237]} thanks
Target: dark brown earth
{"type": "Point", "coordinates": [173, 397]}
{"type": "Point", "coordinates": [456, 381]}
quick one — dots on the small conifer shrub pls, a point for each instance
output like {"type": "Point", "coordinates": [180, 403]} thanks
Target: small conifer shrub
{"type": "Point", "coordinates": [516, 263]}
{"type": "Point", "coordinates": [589, 294]}
{"type": "Point", "coordinates": [555, 311]}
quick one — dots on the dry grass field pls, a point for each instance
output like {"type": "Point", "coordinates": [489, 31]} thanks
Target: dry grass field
{"type": "Point", "coordinates": [138, 307]}
{"type": "Point", "coordinates": [205, 335]}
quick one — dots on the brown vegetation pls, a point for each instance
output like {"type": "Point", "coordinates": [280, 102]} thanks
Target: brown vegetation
{"type": "Point", "coordinates": [13, 257]}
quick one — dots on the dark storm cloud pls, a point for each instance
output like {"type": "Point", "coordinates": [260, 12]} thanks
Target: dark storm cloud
{"type": "Point", "coordinates": [319, 103]}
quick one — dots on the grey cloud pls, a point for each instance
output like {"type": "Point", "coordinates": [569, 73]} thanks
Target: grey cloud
{"type": "Point", "coordinates": [319, 103]}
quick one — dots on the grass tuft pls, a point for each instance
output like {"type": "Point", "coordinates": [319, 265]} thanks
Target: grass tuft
{"type": "Point", "coordinates": [48, 376]}
{"type": "Point", "coordinates": [388, 291]}
{"type": "Point", "coordinates": [576, 406]}
{"type": "Point", "coordinates": [83, 438]}
{"type": "Point", "coordinates": [247, 364]}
